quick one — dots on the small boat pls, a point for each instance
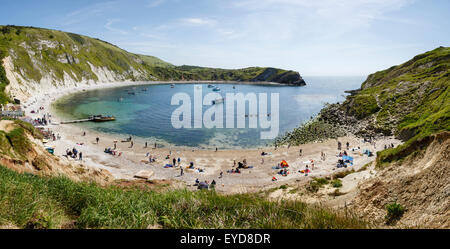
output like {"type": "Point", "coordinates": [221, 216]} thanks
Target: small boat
{"type": "Point", "coordinates": [216, 89]}
{"type": "Point", "coordinates": [210, 86]}
{"type": "Point", "coordinates": [131, 93]}
{"type": "Point", "coordinates": [218, 101]}
{"type": "Point", "coordinates": [234, 87]}
{"type": "Point", "coordinates": [101, 118]}
{"type": "Point", "coordinates": [172, 85]}
{"type": "Point", "coordinates": [144, 90]}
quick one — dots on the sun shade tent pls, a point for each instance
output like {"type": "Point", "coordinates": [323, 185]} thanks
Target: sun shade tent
{"type": "Point", "coordinates": [284, 164]}
{"type": "Point", "coordinates": [348, 159]}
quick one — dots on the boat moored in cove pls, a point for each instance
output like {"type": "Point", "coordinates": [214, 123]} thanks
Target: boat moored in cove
{"type": "Point", "coordinates": [101, 118]}
{"type": "Point", "coordinates": [218, 101]}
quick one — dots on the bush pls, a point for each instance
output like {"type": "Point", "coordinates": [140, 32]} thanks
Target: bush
{"type": "Point", "coordinates": [316, 184]}
{"type": "Point", "coordinates": [283, 187]}
{"type": "Point", "coordinates": [336, 183]}
{"type": "Point", "coordinates": [395, 212]}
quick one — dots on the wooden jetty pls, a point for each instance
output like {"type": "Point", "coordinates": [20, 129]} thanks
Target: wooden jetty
{"type": "Point", "coordinates": [75, 121]}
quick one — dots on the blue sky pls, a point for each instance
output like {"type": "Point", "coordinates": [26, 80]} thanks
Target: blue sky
{"type": "Point", "coordinates": [328, 37]}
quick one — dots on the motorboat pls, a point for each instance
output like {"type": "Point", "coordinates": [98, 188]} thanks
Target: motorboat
{"type": "Point", "coordinates": [101, 118]}
{"type": "Point", "coordinates": [218, 101]}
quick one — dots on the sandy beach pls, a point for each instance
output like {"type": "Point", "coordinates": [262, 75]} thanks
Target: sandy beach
{"type": "Point", "coordinates": [135, 159]}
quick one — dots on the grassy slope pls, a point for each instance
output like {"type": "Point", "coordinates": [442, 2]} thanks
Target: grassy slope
{"type": "Point", "coordinates": [29, 201]}
{"type": "Point", "coordinates": [410, 100]}
{"type": "Point", "coordinates": [18, 42]}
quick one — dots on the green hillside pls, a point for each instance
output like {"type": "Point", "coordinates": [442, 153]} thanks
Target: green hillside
{"type": "Point", "coordinates": [410, 101]}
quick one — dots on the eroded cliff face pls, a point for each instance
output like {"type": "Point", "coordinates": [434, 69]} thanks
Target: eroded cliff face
{"type": "Point", "coordinates": [420, 183]}
{"type": "Point", "coordinates": [21, 150]}
{"type": "Point", "coordinates": [23, 88]}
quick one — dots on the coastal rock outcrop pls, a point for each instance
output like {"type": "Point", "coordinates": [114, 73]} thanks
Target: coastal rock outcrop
{"type": "Point", "coordinates": [287, 77]}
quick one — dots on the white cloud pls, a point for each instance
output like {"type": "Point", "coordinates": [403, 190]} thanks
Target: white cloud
{"type": "Point", "coordinates": [109, 27]}
{"type": "Point", "coordinates": [155, 3]}
{"type": "Point", "coordinates": [198, 21]}
{"type": "Point", "coordinates": [88, 12]}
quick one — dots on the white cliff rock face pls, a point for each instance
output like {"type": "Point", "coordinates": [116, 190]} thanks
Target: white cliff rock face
{"type": "Point", "coordinates": [22, 88]}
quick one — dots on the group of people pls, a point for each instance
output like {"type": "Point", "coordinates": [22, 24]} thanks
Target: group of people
{"type": "Point", "coordinates": [41, 121]}
{"type": "Point", "coordinates": [205, 184]}
{"type": "Point", "coordinates": [112, 152]}
{"type": "Point", "coordinates": [284, 172]}
{"type": "Point", "coordinates": [74, 153]}
{"type": "Point", "coordinates": [387, 146]}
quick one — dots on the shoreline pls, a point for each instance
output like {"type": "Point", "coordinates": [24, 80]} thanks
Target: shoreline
{"type": "Point", "coordinates": [133, 160]}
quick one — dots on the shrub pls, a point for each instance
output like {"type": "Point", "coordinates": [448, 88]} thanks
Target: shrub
{"type": "Point", "coordinates": [394, 212]}
{"type": "Point", "coordinates": [336, 183]}
{"type": "Point", "coordinates": [283, 187]}
{"type": "Point", "coordinates": [316, 184]}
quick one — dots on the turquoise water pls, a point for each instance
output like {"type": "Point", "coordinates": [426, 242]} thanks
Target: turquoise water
{"type": "Point", "coordinates": [147, 114]}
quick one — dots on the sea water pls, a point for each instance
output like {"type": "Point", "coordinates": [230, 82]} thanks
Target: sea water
{"type": "Point", "coordinates": [146, 114]}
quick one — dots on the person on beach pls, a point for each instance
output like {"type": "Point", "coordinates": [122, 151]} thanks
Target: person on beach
{"type": "Point", "coordinates": [97, 139]}
{"type": "Point", "coordinates": [81, 156]}
{"type": "Point", "coordinates": [132, 144]}
{"type": "Point", "coordinates": [84, 133]}
{"type": "Point", "coordinates": [221, 174]}
{"type": "Point", "coordinates": [339, 145]}
{"type": "Point", "coordinates": [145, 145]}
{"type": "Point", "coordinates": [216, 149]}
{"type": "Point", "coordinates": [179, 161]}
{"type": "Point", "coordinates": [155, 146]}
{"type": "Point", "coordinates": [174, 161]}
{"type": "Point", "coordinates": [348, 145]}
{"type": "Point", "coordinates": [300, 152]}
{"type": "Point", "coordinates": [115, 145]}
{"type": "Point", "coordinates": [181, 171]}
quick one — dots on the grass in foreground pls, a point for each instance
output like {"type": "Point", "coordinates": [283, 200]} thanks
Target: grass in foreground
{"type": "Point", "coordinates": [29, 201]}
